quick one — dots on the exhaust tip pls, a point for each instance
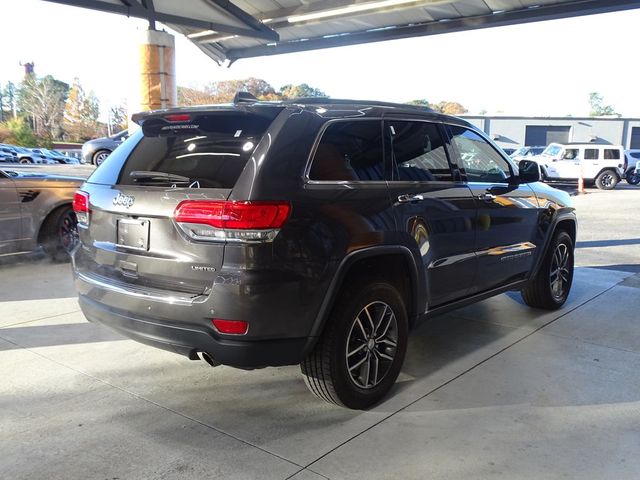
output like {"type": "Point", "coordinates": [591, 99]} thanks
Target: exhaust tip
{"type": "Point", "coordinates": [208, 358]}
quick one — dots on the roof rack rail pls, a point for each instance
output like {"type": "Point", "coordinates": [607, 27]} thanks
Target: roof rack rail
{"type": "Point", "coordinates": [244, 97]}
{"type": "Point", "coordinates": [344, 101]}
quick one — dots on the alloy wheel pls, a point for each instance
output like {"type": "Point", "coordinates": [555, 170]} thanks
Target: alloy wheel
{"type": "Point", "coordinates": [559, 275]}
{"type": "Point", "coordinates": [68, 231]}
{"type": "Point", "coordinates": [372, 344]}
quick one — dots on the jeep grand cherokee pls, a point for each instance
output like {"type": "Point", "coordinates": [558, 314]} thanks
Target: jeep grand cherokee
{"type": "Point", "coordinates": [312, 232]}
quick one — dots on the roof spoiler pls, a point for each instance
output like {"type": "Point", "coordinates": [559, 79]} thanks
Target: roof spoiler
{"type": "Point", "coordinates": [244, 97]}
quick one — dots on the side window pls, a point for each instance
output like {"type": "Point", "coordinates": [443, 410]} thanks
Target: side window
{"type": "Point", "coordinates": [591, 153]}
{"type": "Point", "coordinates": [349, 151]}
{"type": "Point", "coordinates": [479, 160]}
{"type": "Point", "coordinates": [570, 154]}
{"type": "Point", "coordinates": [418, 151]}
{"type": "Point", "coordinates": [611, 154]}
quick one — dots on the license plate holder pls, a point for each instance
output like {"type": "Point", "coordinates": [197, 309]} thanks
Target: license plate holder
{"type": "Point", "coordinates": [133, 233]}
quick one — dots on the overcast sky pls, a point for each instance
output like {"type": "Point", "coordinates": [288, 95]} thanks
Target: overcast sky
{"type": "Point", "coordinates": [542, 69]}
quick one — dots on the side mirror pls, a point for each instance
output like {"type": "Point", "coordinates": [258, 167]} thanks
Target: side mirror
{"type": "Point", "coordinates": [529, 172]}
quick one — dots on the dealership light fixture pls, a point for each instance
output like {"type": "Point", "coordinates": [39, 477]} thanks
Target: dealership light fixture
{"type": "Point", "coordinates": [356, 8]}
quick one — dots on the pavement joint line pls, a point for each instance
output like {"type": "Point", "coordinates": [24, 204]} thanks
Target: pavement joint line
{"type": "Point", "coordinates": [307, 470]}
{"type": "Point", "coordinates": [595, 344]}
{"type": "Point", "coordinates": [38, 319]}
{"type": "Point", "coordinates": [451, 380]}
{"type": "Point", "coordinates": [145, 399]}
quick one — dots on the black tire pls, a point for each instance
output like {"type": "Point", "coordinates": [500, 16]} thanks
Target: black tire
{"type": "Point", "coordinates": [632, 178]}
{"type": "Point", "coordinates": [59, 233]}
{"type": "Point", "coordinates": [25, 160]}
{"type": "Point", "coordinates": [542, 291]}
{"type": "Point", "coordinates": [607, 180]}
{"type": "Point", "coordinates": [100, 156]}
{"type": "Point", "coordinates": [326, 369]}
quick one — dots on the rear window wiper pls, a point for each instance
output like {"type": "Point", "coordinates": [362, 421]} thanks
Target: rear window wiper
{"type": "Point", "coordinates": [150, 176]}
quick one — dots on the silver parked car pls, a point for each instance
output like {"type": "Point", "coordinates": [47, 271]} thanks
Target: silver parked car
{"type": "Point", "coordinates": [36, 211]}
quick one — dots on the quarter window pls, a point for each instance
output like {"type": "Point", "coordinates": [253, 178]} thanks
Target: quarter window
{"type": "Point", "coordinates": [350, 151]}
{"type": "Point", "coordinates": [479, 160]}
{"type": "Point", "coordinates": [591, 154]}
{"type": "Point", "coordinates": [611, 154]}
{"type": "Point", "coordinates": [418, 151]}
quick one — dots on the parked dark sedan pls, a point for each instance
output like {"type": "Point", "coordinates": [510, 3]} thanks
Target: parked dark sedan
{"type": "Point", "coordinates": [36, 211]}
{"type": "Point", "coordinates": [97, 150]}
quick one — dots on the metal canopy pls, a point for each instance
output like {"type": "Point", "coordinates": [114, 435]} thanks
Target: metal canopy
{"type": "Point", "coordinates": [227, 30]}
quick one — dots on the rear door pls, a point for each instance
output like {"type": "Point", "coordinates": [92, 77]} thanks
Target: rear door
{"type": "Point", "coordinates": [507, 213]}
{"type": "Point", "coordinates": [132, 235]}
{"type": "Point", "coordinates": [433, 206]}
{"type": "Point", "coordinates": [10, 223]}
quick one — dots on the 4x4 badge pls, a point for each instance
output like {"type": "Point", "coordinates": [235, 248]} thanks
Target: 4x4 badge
{"type": "Point", "coordinates": [123, 200]}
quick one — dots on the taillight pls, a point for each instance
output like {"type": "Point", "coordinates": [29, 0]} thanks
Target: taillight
{"type": "Point", "coordinates": [177, 117]}
{"type": "Point", "coordinates": [81, 207]}
{"type": "Point", "coordinates": [231, 327]}
{"type": "Point", "coordinates": [228, 220]}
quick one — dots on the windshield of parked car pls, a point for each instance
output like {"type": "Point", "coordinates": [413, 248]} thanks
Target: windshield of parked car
{"type": "Point", "coordinates": [520, 152]}
{"type": "Point", "coordinates": [552, 150]}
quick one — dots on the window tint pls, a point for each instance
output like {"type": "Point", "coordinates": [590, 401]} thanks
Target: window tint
{"type": "Point", "coordinates": [349, 151]}
{"type": "Point", "coordinates": [611, 154]}
{"type": "Point", "coordinates": [479, 160]}
{"type": "Point", "coordinates": [591, 154]}
{"type": "Point", "coordinates": [635, 155]}
{"type": "Point", "coordinates": [418, 151]}
{"type": "Point", "coordinates": [570, 154]}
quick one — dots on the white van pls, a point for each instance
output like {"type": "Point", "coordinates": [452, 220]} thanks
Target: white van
{"type": "Point", "coordinates": [600, 164]}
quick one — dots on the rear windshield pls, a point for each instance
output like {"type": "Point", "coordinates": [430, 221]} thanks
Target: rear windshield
{"type": "Point", "coordinates": [199, 150]}
{"type": "Point", "coordinates": [210, 155]}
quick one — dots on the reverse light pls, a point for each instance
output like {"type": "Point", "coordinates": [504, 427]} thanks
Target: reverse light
{"type": "Point", "coordinates": [81, 207]}
{"type": "Point", "coordinates": [231, 327]}
{"type": "Point", "coordinates": [229, 220]}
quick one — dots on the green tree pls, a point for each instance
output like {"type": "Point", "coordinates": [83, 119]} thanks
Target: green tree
{"type": "Point", "coordinates": [598, 108]}
{"type": "Point", "coordinates": [446, 107]}
{"type": "Point", "coordinates": [81, 113]}
{"type": "Point", "coordinates": [191, 96]}
{"type": "Point", "coordinates": [299, 91]}
{"type": "Point", "coordinates": [43, 100]}
{"type": "Point", "coordinates": [9, 94]}
{"type": "Point", "coordinates": [423, 102]}
{"type": "Point", "coordinates": [118, 119]}
{"type": "Point", "coordinates": [224, 91]}
{"type": "Point", "coordinates": [17, 132]}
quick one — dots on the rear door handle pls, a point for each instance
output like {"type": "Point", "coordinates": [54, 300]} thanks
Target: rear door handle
{"type": "Point", "coordinates": [410, 198]}
{"type": "Point", "coordinates": [487, 197]}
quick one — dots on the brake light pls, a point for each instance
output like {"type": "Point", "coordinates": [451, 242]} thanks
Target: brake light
{"type": "Point", "coordinates": [177, 117]}
{"type": "Point", "coordinates": [229, 220]}
{"type": "Point", "coordinates": [81, 207]}
{"type": "Point", "coordinates": [231, 327]}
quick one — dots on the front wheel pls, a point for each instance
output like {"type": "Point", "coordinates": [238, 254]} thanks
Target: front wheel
{"type": "Point", "coordinates": [358, 358]}
{"type": "Point", "coordinates": [607, 180]}
{"type": "Point", "coordinates": [549, 289]}
{"type": "Point", "coordinates": [632, 178]}
{"type": "Point", "coordinates": [100, 156]}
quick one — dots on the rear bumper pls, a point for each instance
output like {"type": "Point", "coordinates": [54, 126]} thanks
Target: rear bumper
{"type": "Point", "coordinates": [190, 339]}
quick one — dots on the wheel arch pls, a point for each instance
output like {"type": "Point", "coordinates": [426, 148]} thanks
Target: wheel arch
{"type": "Point", "coordinates": [397, 262]}
{"type": "Point", "coordinates": [54, 208]}
{"type": "Point", "coordinates": [566, 222]}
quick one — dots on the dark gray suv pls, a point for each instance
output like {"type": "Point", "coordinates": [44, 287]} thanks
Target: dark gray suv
{"type": "Point", "coordinates": [314, 232]}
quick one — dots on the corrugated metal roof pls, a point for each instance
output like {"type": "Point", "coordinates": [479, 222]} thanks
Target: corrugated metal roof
{"type": "Point", "coordinates": [230, 30]}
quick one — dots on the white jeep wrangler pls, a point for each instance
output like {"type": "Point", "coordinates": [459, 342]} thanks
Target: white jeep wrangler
{"type": "Point", "coordinates": [599, 164]}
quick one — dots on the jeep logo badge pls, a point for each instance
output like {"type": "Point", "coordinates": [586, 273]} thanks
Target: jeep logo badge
{"type": "Point", "coordinates": [123, 200]}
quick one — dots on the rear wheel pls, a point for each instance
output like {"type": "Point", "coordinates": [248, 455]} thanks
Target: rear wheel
{"type": "Point", "coordinates": [607, 180]}
{"type": "Point", "coordinates": [26, 160]}
{"type": "Point", "coordinates": [358, 358]}
{"type": "Point", "coordinates": [550, 287]}
{"type": "Point", "coordinates": [60, 233]}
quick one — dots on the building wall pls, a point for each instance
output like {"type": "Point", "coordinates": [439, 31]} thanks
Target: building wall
{"type": "Point", "coordinates": [510, 131]}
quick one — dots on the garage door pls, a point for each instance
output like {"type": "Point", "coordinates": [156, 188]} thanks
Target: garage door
{"type": "Point", "coordinates": [543, 135]}
{"type": "Point", "coordinates": [635, 137]}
